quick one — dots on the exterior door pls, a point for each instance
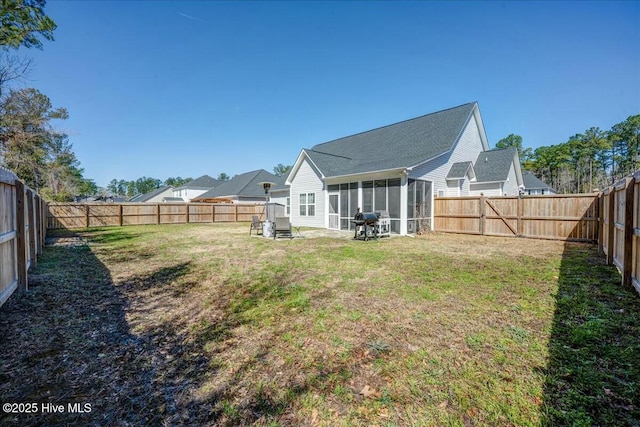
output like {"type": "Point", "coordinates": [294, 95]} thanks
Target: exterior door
{"type": "Point", "coordinates": [334, 211]}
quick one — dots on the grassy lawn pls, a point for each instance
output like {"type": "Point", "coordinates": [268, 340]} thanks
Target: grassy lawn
{"type": "Point", "coordinates": [204, 325]}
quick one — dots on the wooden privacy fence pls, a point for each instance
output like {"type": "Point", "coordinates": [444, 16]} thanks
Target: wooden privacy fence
{"type": "Point", "coordinates": [80, 215]}
{"type": "Point", "coordinates": [558, 217]}
{"type": "Point", "coordinates": [22, 233]}
{"type": "Point", "coordinates": [620, 232]}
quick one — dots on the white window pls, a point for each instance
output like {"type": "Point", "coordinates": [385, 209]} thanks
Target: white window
{"type": "Point", "coordinates": [307, 204]}
{"type": "Point", "coordinates": [288, 206]}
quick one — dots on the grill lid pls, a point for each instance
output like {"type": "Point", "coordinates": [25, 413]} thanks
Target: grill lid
{"type": "Point", "coordinates": [369, 216]}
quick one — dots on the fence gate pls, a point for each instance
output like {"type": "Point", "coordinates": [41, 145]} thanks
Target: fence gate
{"type": "Point", "coordinates": [500, 216]}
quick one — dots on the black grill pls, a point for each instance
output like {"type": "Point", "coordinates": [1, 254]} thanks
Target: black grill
{"type": "Point", "coordinates": [366, 225]}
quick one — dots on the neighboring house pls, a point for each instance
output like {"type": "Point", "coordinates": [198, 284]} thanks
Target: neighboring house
{"type": "Point", "coordinates": [533, 185]}
{"type": "Point", "coordinates": [245, 188]}
{"type": "Point", "coordinates": [196, 187]}
{"type": "Point", "coordinates": [497, 173]}
{"type": "Point", "coordinates": [172, 200]}
{"type": "Point", "coordinates": [399, 169]}
{"type": "Point", "coordinates": [104, 198]}
{"type": "Point", "coordinates": [156, 196]}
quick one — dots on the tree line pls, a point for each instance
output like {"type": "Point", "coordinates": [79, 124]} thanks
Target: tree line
{"type": "Point", "coordinates": [587, 161]}
{"type": "Point", "coordinates": [124, 188]}
{"type": "Point", "coordinates": [30, 146]}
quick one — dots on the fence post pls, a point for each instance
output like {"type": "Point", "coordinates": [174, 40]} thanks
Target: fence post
{"type": "Point", "coordinates": [483, 212]}
{"type": "Point", "coordinates": [188, 213]}
{"type": "Point", "coordinates": [600, 230]}
{"type": "Point", "coordinates": [38, 211]}
{"type": "Point", "coordinates": [628, 232]}
{"type": "Point", "coordinates": [158, 213]}
{"type": "Point", "coordinates": [86, 216]}
{"type": "Point", "coordinates": [236, 213]}
{"type": "Point", "coordinates": [45, 221]}
{"type": "Point", "coordinates": [120, 214]}
{"type": "Point", "coordinates": [32, 229]}
{"type": "Point", "coordinates": [520, 214]}
{"type": "Point", "coordinates": [611, 225]}
{"type": "Point", "coordinates": [20, 237]}
{"type": "Point", "coordinates": [213, 212]}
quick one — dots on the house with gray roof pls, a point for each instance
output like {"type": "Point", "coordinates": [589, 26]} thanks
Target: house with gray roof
{"type": "Point", "coordinates": [247, 188]}
{"type": "Point", "coordinates": [400, 168]}
{"type": "Point", "coordinates": [195, 187]}
{"type": "Point", "coordinates": [533, 185]}
{"type": "Point", "coordinates": [497, 173]}
{"type": "Point", "coordinates": [156, 196]}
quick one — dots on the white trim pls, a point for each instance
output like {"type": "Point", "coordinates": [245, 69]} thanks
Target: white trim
{"type": "Point", "coordinates": [488, 182]}
{"type": "Point", "coordinates": [480, 123]}
{"type": "Point", "coordinates": [404, 200]}
{"type": "Point", "coordinates": [296, 166]}
{"type": "Point", "coordinates": [329, 180]}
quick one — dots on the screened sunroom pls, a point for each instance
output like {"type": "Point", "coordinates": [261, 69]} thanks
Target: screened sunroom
{"type": "Point", "coordinates": [381, 195]}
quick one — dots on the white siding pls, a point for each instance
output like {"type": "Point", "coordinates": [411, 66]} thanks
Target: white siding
{"type": "Point", "coordinates": [490, 189]}
{"type": "Point", "coordinates": [511, 186]}
{"type": "Point", "coordinates": [192, 193]}
{"type": "Point", "coordinates": [466, 150]}
{"type": "Point", "coordinates": [307, 181]}
{"type": "Point", "coordinates": [453, 188]}
{"type": "Point", "coordinates": [187, 194]}
{"type": "Point", "coordinates": [158, 198]}
{"type": "Point", "coordinates": [465, 187]}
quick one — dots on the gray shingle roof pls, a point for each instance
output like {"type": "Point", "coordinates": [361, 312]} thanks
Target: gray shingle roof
{"type": "Point", "coordinates": [458, 170]}
{"type": "Point", "coordinates": [204, 182]}
{"type": "Point", "coordinates": [245, 184]}
{"type": "Point", "coordinates": [494, 165]}
{"type": "Point", "coordinates": [399, 145]}
{"type": "Point", "coordinates": [530, 181]}
{"type": "Point", "coordinates": [148, 196]}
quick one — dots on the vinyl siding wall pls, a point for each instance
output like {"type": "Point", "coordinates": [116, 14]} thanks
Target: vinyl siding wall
{"type": "Point", "coordinates": [308, 181]}
{"type": "Point", "coordinates": [158, 198]}
{"type": "Point", "coordinates": [188, 193]}
{"type": "Point", "coordinates": [490, 189]}
{"type": "Point", "coordinates": [510, 187]}
{"type": "Point", "coordinates": [467, 149]}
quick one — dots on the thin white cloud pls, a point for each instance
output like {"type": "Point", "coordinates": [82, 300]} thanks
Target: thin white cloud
{"type": "Point", "coordinates": [184, 15]}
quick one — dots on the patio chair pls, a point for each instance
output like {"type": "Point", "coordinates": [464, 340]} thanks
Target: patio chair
{"type": "Point", "coordinates": [256, 224]}
{"type": "Point", "coordinates": [282, 226]}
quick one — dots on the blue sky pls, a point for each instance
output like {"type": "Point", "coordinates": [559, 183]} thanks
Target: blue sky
{"type": "Point", "coordinates": [166, 88]}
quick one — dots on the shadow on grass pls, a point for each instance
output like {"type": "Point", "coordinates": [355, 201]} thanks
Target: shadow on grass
{"type": "Point", "coordinates": [130, 350]}
{"type": "Point", "coordinates": [593, 374]}
{"type": "Point", "coordinates": [68, 341]}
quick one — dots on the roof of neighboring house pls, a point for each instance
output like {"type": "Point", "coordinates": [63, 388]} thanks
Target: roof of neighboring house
{"type": "Point", "coordinates": [204, 182]}
{"type": "Point", "coordinates": [150, 195]}
{"type": "Point", "coordinates": [400, 145]}
{"type": "Point", "coordinates": [245, 184]}
{"type": "Point", "coordinates": [459, 170]}
{"type": "Point", "coordinates": [494, 165]}
{"type": "Point", "coordinates": [173, 199]}
{"type": "Point", "coordinates": [531, 181]}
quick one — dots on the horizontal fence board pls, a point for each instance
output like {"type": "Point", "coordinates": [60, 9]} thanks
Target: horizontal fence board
{"type": "Point", "coordinates": [21, 236]}
{"type": "Point", "coordinates": [558, 217]}
{"type": "Point", "coordinates": [81, 215]}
